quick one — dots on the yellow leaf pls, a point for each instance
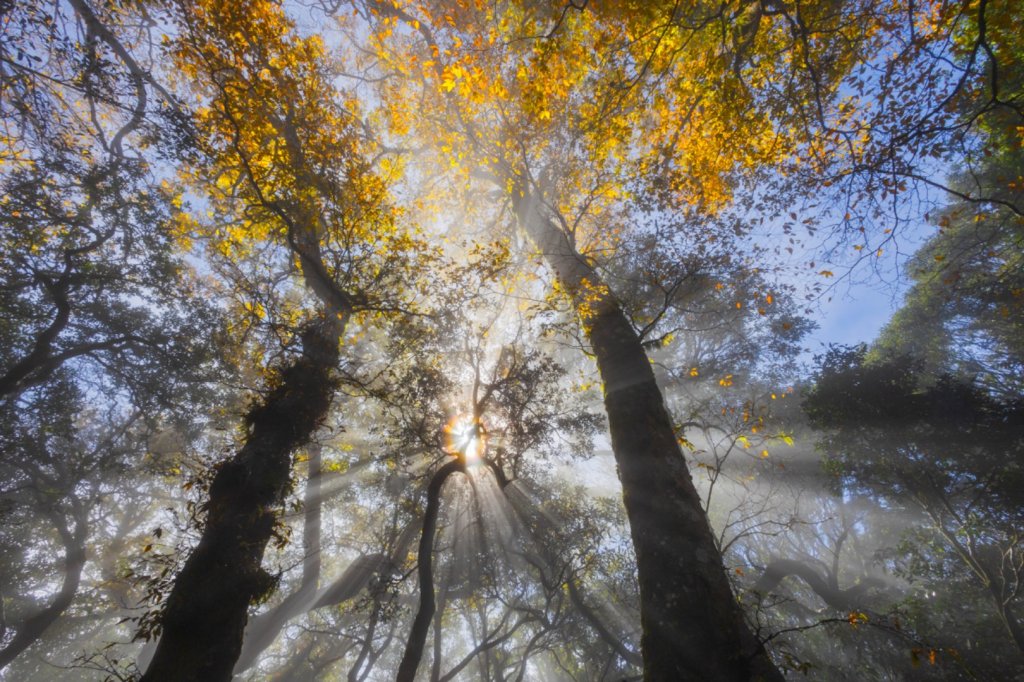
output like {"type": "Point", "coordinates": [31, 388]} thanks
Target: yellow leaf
{"type": "Point", "coordinates": [857, 618]}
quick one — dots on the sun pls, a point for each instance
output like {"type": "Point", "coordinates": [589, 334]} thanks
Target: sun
{"type": "Point", "coordinates": [465, 436]}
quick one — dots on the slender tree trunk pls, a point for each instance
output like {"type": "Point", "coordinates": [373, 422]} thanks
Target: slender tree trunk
{"type": "Point", "coordinates": [1014, 627]}
{"type": "Point", "coordinates": [262, 629]}
{"type": "Point", "coordinates": [990, 578]}
{"type": "Point", "coordinates": [425, 569]}
{"type": "Point", "coordinates": [205, 615]}
{"type": "Point", "coordinates": [313, 510]}
{"type": "Point", "coordinates": [367, 646]}
{"type": "Point", "coordinates": [693, 628]}
{"type": "Point", "coordinates": [74, 561]}
{"type": "Point", "coordinates": [37, 361]}
{"type": "Point", "coordinates": [606, 635]}
{"type": "Point", "coordinates": [551, 572]}
{"type": "Point", "coordinates": [1006, 614]}
{"type": "Point", "coordinates": [435, 664]}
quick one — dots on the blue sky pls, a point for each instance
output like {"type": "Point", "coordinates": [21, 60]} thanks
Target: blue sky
{"type": "Point", "coordinates": [853, 316]}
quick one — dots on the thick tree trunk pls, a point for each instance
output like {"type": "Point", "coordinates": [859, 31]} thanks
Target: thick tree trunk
{"type": "Point", "coordinates": [206, 612]}
{"type": "Point", "coordinates": [262, 629]}
{"type": "Point", "coordinates": [693, 628]}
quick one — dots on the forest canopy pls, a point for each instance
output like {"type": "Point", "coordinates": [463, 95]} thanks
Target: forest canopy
{"type": "Point", "coordinates": [474, 340]}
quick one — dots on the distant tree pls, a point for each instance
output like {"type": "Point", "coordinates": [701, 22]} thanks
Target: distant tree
{"type": "Point", "coordinates": [943, 446]}
{"type": "Point", "coordinates": [98, 312]}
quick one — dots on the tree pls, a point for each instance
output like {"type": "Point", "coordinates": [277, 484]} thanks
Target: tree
{"type": "Point", "coordinates": [565, 112]}
{"type": "Point", "coordinates": [947, 447]}
{"type": "Point", "coordinates": [418, 209]}
{"type": "Point", "coordinates": [96, 308]}
{"type": "Point", "coordinates": [285, 167]}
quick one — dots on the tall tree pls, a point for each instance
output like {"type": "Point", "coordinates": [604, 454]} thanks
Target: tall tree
{"type": "Point", "coordinates": [282, 165]}
{"type": "Point", "coordinates": [565, 112]}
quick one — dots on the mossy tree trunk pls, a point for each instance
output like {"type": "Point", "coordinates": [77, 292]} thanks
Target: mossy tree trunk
{"type": "Point", "coordinates": [206, 613]}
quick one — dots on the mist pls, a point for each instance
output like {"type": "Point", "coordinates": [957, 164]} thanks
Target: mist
{"type": "Point", "coordinates": [511, 341]}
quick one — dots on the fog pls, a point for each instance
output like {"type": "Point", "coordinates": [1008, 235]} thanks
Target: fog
{"type": "Point", "coordinates": [511, 341]}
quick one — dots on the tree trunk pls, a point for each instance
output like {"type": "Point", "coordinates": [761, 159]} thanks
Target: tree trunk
{"type": "Point", "coordinates": [1006, 614]}
{"type": "Point", "coordinates": [74, 561]}
{"type": "Point", "coordinates": [205, 615]}
{"type": "Point", "coordinates": [1013, 626]}
{"type": "Point", "coordinates": [262, 629]}
{"type": "Point", "coordinates": [313, 510]}
{"type": "Point", "coordinates": [367, 646]}
{"type": "Point", "coordinates": [693, 628]}
{"type": "Point", "coordinates": [425, 568]}
{"type": "Point", "coordinates": [555, 575]}
{"type": "Point", "coordinates": [37, 361]}
{"type": "Point", "coordinates": [841, 600]}
{"type": "Point", "coordinates": [435, 663]}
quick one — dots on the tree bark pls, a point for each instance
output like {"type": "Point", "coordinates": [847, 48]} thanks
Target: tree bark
{"type": "Point", "coordinates": [693, 628]}
{"type": "Point", "coordinates": [206, 613]}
